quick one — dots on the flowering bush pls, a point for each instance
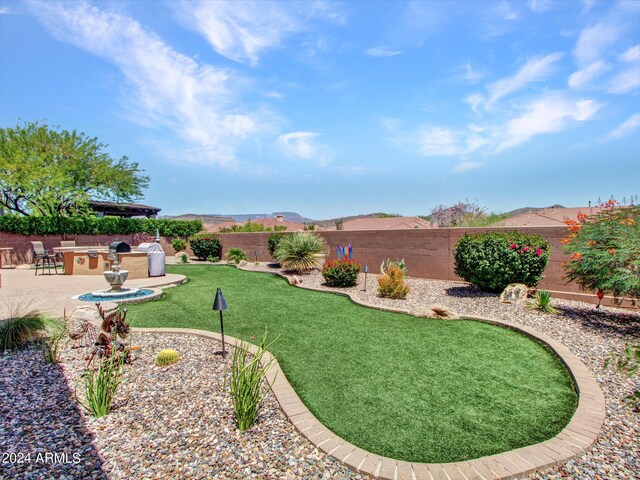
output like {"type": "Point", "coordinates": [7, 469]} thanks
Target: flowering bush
{"type": "Point", "coordinates": [604, 251]}
{"type": "Point", "coordinates": [491, 261]}
{"type": "Point", "coordinates": [341, 273]}
{"type": "Point", "coordinates": [205, 245]}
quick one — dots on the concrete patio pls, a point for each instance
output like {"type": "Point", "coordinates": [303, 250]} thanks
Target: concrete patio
{"type": "Point", "coordinates": [51, 294]}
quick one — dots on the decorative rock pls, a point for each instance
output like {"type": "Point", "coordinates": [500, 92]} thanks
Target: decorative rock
{"type": "Point", "coordinates": [443, 312]}
{"type": "Point", "coordinates": [295, 280]}
{"type": "Point", "coordinates": [515, 293]}
{"type": "Point", "coordinates": [423, 312]}
{"type": "Point", "coordinates": [86, 313]}
{"type": "Point", "coordinates": [242, 263]}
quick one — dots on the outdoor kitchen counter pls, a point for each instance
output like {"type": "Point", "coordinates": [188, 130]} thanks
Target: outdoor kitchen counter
{"type": "Point", "coordinates": [80, 261]}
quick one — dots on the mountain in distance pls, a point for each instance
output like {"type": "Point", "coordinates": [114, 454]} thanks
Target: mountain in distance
{"type": "Point", "coordinates": [519, 211]}
{"type": "Point", "coordinates": [214, 218]}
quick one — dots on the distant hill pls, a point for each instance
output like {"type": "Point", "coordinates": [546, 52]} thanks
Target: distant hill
{"type": "Point", "coordinates": [519, 211]}
{"type": "Point", "coordinates": [214, 218]}
{"type": "Point", "coordinates": [332, 221]}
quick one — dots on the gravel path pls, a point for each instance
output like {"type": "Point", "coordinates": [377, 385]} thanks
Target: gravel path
{"type": "Point", "coordinates": [171, 422]}
{"type": "Point", "coordinates": [589, 334]}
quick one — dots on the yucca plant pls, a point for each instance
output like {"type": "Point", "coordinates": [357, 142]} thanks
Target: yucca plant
{"type": "Point", "coordinates": [19, 327]}
{"type": "Point", "coordinates": [543, 302]}
{"type": "Point", "coordinates": [247, 376]}
{"type": "Point", "coordinates": [100, 385]}
{"type": "Point", "coordinates": [301, 251]}
{"type": "Point", "coordinates": [52, 344]}
{"type": "Point", "coordinates": [236, 255]}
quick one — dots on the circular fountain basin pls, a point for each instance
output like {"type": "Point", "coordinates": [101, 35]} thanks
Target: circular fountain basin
{"type": "Point", "coordinates": [107, 295]}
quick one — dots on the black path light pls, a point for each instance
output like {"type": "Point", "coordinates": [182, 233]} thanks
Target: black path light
{"type": "Point", "coordinates": [255, 254]}
{"type": "Point", "coordinates": [366, 270]}
{"type": "Point", "coordinates": [220, 304]}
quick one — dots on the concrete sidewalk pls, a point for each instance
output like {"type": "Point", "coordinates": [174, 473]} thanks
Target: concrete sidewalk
{"type": "Point", "coordinates": [51, 294]}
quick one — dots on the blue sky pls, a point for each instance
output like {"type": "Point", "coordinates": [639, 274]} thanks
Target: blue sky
{"type": "Point", "coordinates": [339, 108]}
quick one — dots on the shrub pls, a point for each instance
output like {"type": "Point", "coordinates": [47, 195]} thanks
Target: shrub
{"type": "Point", "coordinates": [179, 244]}
{"type": "Point", "coordinates": [392, 283]}
{"type": "Point", "coordinates": [398, 263]}
{"type": "Point", "coordinates": [246, 382]}
{"type": "Point", "coordinates": [628, 362]}
{"type": "Point", "coordinates": [51, 345]}
{"type": "Point", "coordinates": [100, 386]}
{"type": "Point", "coordinates": [301, 251]}
{"type": "Point", "coordinates": [604, 250]}
{"type": "Point", "coordinates": [543, 302]}
{"type": "Point", "coordinates": [341, 273]}
{"type": "Point", "coordinates": [206, 245]}
{"type": "Point", "coordinates": [18, 328]}
{"type": "Point", "coordinates": [491, 261]}
{"type": "Point", "coordinates": [213, 259]}
{"type": "Point", "coordinates": [167, 356]}
{"type": "Point", "coordinates": [236, 255]}
{"type": "Point", "coordinates": [272, 243]}
{"type": "Point", "coordinates": [184, 258]}
{"type": "Point", "coordinates": [92, 225]}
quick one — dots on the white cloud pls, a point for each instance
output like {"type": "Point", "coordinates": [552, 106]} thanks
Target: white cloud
{"type": "Point", "coordinates": [239, 31]}
{"type": "Point", "coordinates": [474, 101]}
{"type": "Point", "coordinates": [466, 166]}
{"type": "Point", "coordinates": [436, 141]}
{"type": "Point", "coordinates": [166, 89]}
{"type": "Point", "coordinates": [626, 127]}
{"type": "Point", "coordinates": [505, 12]}
{"type": "Point", "coordinates": [548, 114]}
{"type": "Point", "coordinates": [583, 78]}
{"type": "Point", "coordinates": [540, 5]}
{"type": "Point", "coordinates": [631, 55]}
{"type": "Point", "coordinates": [535, 70]}
{"type": "Point", "coordinates": [595, 40]}
{"type": "Point", "coordinates": [302, 145]}
{"type": "Point", "coordinates": [625, 81]}
{"type": "Point", "coordinates": [382, 52]}
{"type": "Point", "coordinates": [472, 75]}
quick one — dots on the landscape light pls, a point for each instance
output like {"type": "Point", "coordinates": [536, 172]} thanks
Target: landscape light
{"type": "Point", "coordinates": [366, 270]}
{"type": "Point", "coordinates": [255, 254]}
{"type": "Point", "coordinates": [220, 304]}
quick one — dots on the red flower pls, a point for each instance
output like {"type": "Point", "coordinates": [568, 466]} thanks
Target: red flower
{"type": "Point", "coordinates": [525, 249]}
{"type": "Point", "coordinates": [600, 294]}
{"type": "Point", "coordinates": [576, 256]}
{"type": "Point", "coordinates": [539, 251]}
{"type": "Point", "coordinates": [514, 246]}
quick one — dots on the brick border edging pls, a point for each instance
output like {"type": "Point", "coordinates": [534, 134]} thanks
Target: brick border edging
{"type": "Point", "coordinates": [573, 441]}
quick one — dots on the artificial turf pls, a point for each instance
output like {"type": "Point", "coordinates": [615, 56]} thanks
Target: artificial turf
{"type": "Point", "coordinates": [413, 389]}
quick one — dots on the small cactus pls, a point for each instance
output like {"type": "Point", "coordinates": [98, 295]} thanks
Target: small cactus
{"type": "Point", "coordinates": [167, 357]}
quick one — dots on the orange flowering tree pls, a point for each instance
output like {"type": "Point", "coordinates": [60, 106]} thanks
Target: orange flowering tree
{"type": "Point", "coordinates": [604, 251]}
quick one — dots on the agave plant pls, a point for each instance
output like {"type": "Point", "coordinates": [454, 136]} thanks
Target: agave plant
{"type": "Point", "coordinates": [543, 302]}
{"type": "Point", "coordinates": [301, 251]}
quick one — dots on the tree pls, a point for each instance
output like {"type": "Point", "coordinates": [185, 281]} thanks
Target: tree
{"type": "Point", "coordinates": [457, 215]}
{"type": "Point", "coordinates": [45, 171]}
{"type": "Point", "coordinates": [604, 251]}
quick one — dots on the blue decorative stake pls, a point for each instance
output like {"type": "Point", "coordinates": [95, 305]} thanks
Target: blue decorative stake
{"type": "Point", "coordinates": [366, 270]}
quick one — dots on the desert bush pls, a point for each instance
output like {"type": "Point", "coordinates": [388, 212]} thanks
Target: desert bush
{"type": "Point", "coordinates": [398, 263]}
{"type": "Point", "coordinates": [273, 242]}
{"type": "Point", "coordinates": [205, 245]}
{"type": "Point", "coordinates": [491, 261]}
{"type": "Point", "coordinates": [392, 284]}
{"type": "Point", "coordinates": [341, 273]}
{"type": "Point", "coordinates": [18, 327]}
{"type": "Point", "coordinates": [604, 250]}
{"type": "Point", "coordinates": [236, 255]}
{"type": "Point", "coordinates": [301, 251]}
{"type": "Point", "coordinates": [247, 375]}
{"type": "Point", "coordinates": [52, 343]}
{"type": "Point", "coordinates": [178, 244]}
{"type": "Point", "coordinates": [100, 386]}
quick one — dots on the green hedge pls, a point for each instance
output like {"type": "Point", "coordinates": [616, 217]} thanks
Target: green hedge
{"type": "Point", "coordinates": [98, 225]}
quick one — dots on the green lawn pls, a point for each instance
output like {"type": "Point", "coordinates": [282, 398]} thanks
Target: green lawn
{"type": "Point", "coordinates": [409, 388]}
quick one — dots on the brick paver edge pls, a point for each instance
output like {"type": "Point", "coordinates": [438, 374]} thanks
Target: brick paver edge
{"type": "Point", "coordinates": [572, 442]}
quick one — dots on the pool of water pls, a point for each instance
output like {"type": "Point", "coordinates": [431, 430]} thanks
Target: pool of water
{"type": "Point", "coordinates": [88, 297]}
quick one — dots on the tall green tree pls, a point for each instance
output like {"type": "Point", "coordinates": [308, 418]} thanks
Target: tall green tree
{"type": "Point", "coordinates": [46, 171]}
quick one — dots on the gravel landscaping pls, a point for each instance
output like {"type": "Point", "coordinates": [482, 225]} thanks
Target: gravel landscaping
{"type": "Point", "coordinates": [178, 422]}
{"type": "Point", "coordinates": [170, 422]}
{"type": "Point", "coordinates": [589, 334]}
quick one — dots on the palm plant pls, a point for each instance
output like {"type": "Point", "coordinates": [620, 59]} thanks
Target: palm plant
{"type": "Point", "coordinates": [236, 255]}
{"type": "Point", "coordinates": [301, 251]}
